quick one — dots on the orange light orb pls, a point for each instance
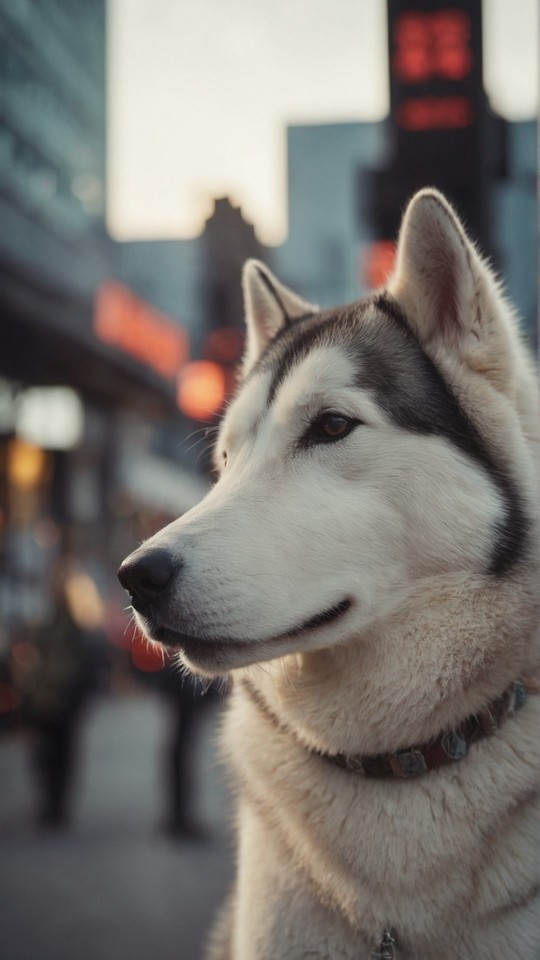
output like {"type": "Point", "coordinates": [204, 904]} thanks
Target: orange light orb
{"type": "Point", "coordinates": [202, 389]}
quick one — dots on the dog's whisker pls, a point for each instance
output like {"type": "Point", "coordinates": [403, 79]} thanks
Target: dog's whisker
{"type": "Point", "coordinates": [207, 451]}
{"type": "Point", "coordinates": [200, 430]}
{"type": "Point", "coordinates": [196, 443]}
{"type": "Point", "coordinates": [130, 622]}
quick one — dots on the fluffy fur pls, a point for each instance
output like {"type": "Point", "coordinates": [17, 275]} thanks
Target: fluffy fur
{"type": "Point", "coordinates": [423, 519]}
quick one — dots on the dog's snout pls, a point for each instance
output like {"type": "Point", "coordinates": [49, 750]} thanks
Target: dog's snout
{"type": "Point", "coordinates": [146, 575]}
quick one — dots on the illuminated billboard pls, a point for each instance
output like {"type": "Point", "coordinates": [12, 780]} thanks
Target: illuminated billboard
{"type": "Point", "coordinates": [126, 322]}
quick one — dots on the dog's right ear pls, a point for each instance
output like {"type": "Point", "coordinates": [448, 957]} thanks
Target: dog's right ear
{"type": "Point", "coordinates": [269, 306]}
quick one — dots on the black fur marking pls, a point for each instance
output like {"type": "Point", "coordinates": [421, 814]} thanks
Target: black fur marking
{"type": "Point", "coordinates": [270, 348]}
{"type": "Point", "coordinates": [303, 337]}
{"type": "Point", "coordinates": [321, 618]}
{"type": "Point", "coordinates": [273, 292]}
{"type": "Point", "coordinates": [446, 417]}
{"type": "Point", "coordinates": [388, 305]}
{"type": "Point", "coordinates": [189, 642]}
{"type": "Point", "coordinates": [409, 388]}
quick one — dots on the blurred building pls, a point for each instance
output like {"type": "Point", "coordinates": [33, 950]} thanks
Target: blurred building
{"type": "Point", "coordinates": [198, 281]}
{"type": "Point", "coordinates": [88, 369]}
{"type": "Point", "coordinates": [321, 257]}
{"type": "Point", "coordinates": [515, 223]}
{"type": "Point", "coordinates": [109, 351]}
{"type": "Point", "coordinates": [228, 240]}
{"type": "Point", "coordinates": [441, 131]}
{"type": "Point", "coordinates": [112, 352]}
{"type": "Point", "coordinates": [328, 256]}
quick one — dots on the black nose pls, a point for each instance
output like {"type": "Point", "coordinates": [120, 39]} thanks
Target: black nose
{"type": "Point", "coordinates": [146, 574]}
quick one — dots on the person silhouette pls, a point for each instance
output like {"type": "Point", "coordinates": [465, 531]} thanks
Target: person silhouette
{"type": "Point", "coordinates": [183, 694]}
{"type": "Point", "coordinates": [70, 665]}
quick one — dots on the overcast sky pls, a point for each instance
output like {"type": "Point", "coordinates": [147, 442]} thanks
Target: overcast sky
{"type": "Point", "coordinates": [200, 92]}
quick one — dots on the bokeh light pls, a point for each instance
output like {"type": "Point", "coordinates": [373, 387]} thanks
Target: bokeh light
{"type": "Point", "coordinates": [202, 389]}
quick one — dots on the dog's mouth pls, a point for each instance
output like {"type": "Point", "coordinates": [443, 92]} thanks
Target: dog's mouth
{"type": "Point", "coordinates": [211, 651]}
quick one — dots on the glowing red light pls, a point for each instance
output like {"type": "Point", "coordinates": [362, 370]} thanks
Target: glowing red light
{"type": "Point", "coordinates": [146, 655]}
{"type": "Point", "coordinates": [452, 53]}
{"type": "Point", "coordinates": [202, 389]}
{"type": "Point", "coordinates": [435, 113]}
{"type": "Point", "coordinates": [124, 321]}
{"type": "Point", "coordinates": [412, 60]}
{"type": "Point", "coordinates": [379, 260]}
{"type": "Point", "coordinates": [432, 45]}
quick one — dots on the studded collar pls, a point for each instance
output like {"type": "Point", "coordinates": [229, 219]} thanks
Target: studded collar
{"type": "Point", "coordinates": [445, 749]}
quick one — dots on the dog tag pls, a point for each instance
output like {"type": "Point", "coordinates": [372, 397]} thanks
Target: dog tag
{"type": "Point", "coordinates": [387, 948]}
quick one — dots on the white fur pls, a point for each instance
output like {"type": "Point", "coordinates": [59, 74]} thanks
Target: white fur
{"type": "Point", "coordinates": [266, 312]}
{"type": "Point", "coordinates": [401, 524]}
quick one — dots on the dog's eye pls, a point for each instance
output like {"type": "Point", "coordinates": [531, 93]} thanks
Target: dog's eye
{"type": "Point", "coordinates": [329, 427]}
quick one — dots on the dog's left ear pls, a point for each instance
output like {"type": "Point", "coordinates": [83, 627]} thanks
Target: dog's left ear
{"type": "Point", "coordinates": [269, 306]}
{"type": "Point", "coordinates": [447, 291]}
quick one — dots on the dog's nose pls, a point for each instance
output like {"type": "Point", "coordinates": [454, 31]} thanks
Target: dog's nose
{"type": "Point", "coordinates": [146, 575]}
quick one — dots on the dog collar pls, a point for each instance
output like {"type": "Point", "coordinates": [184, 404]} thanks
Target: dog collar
{"type": "Point", "coordinates": [443, 750]}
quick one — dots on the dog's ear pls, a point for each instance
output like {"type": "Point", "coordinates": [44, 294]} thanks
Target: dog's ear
{"type": "Point", "coordinates": [269, 305]}
{"type": "Point", "coordinates": [447, 291]}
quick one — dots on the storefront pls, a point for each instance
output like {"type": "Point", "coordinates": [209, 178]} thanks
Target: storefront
{"type": "Point", "coordinates": [87, 388]}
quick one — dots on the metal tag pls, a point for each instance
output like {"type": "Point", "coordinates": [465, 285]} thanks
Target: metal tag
{"type": "Point", "coordinates": [387, 948]}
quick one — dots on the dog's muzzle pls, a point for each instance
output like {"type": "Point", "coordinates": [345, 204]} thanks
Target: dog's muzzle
{"type": "Point", "coordinates": [147, 575]}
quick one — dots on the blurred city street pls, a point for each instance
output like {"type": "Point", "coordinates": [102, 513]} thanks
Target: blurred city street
{"type": "Point", "coordinates": [134, 188]}
{"type": "Point", "coordinates": [112, 885]}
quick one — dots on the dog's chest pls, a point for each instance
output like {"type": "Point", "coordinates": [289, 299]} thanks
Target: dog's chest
{"type": "Point", "coordinates": [357, 843]}
{"type": "Point", "coordinates": [407, 856]}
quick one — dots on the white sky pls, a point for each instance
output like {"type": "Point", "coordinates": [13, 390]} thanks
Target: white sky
{"type": "Point", "coordinates": [200, 92]}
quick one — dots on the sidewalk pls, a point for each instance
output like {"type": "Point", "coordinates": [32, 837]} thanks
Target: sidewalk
{"type": "Point", "coordinates": [111, 887]}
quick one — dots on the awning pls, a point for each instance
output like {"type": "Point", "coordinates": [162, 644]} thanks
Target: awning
{"type": "Point", "coordinates": [47, 337]}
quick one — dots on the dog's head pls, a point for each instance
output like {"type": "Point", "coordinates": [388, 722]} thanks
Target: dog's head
{"type": "Point", "coordinates": [368, 447]}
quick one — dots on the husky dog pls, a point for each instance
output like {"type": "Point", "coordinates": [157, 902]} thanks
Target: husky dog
{"type": "Point", "coordinates": [366, 569]}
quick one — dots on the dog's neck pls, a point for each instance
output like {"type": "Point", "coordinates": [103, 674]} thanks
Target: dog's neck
{"type": "Point", "coordinates": [446, 749]}
{"type": "Point", "coordinates": [369, 696]}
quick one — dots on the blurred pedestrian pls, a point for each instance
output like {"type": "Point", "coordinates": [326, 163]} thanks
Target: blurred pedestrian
{"type": "Point", "coordinates": [70, 665]}
{"type": "Point", "coordinates": [186, 703]}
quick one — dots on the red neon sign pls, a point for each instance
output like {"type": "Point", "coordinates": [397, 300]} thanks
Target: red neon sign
{"type": "Point", "coordinates": [429, 45]}
{"type": "Point", "coordinates": [435, 113]}
{"type": "Point", "coordinates": [378, 263]}
{"type": "Point", "coordinates": [124, 321]}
